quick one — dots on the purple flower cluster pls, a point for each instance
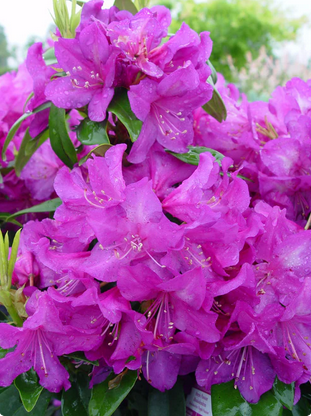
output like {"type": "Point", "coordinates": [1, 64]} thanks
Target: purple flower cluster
{"type": "Point", "coordinates": [166, 82]}
{"type": "Point", "coordinates": [223, 290]}
{"type": "Point", "coordinates": [152, 264]}
{"type": "Point", "coordinates": [35, 182]}
{"type": "Point", "coordinates": [269, 142]}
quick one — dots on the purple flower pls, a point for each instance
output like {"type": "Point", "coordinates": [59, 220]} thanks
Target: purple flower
{"type": "Point", "coordinates": [40, 172]}
{"type": "Point", "coordinates": [138, 36]}
{"type": "Point", "coordinates": [293, 334]}
{"type": "Point", "coordinates": [89, 65]}
{"type": "Point", "coordinates": [178, 303]}
{"type": "Point", "coordinates": [166, 110]}
{"type": "Point", "coordinates": [185, 45]}
{"type": "Point", "coordinates": [163, 169]}
{"type": "Point", "coordinates": [204, 196]}
{"type": "Point", "coordinates": [101, 186]}
{"type": "Point", "coordinates": [40, 341]}
{"type": "Point", "coordinates": [135, 229]}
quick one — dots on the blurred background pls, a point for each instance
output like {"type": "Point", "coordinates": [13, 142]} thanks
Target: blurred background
{"type": "Point", "coordinates": [257, 44]}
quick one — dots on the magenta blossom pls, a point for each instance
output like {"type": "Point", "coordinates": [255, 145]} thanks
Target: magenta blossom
{"type": "Point", "coordinates": [166, 110]}
{"type": "Point", "coordinates": [40, 341]}
{"type": "Point", "coordinates": [89, 65]}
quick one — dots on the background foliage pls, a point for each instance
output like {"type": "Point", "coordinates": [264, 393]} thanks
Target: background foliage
{"type": "Point", "coordinates": [236, 26]}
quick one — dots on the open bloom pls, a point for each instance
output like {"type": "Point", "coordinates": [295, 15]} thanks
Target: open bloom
{"type": "Point", "coordinates": [40, 341]}
{"type": "Point", "coordinates": [166, 110]}
{"type": "Point", "coordinates": [89, 64]}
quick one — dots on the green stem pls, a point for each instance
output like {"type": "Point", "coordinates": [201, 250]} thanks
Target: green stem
{"type": "Point", "coordinates": [14, 315]}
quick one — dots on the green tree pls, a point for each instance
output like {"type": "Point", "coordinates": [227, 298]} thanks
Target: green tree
{"type": "Point", "coordinates": [4, 53]}
{"type": "Point", "coordinates": [236, 26]}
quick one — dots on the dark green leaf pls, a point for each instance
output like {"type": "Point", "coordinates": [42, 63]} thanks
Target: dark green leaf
{"type": "Point", "coordinates": [120, 106]}
{"type": "Point", "coordinates": [139, 403]}
{"type": "Point", "coordinates": [49, 57]}
{"type": "Point", "coordinates": [89, 132]}
{"type": "Point", "coordinates": [79, 356]}
{"type": "Point", "coordinates": [306, 390]}
{"type": "Point", "coordinates": [72, 402]}
{"type": "Point", "coordinates": [267, 405]}
{"type": "Point", "coordinates": [227, 401]}
{"type": "Point", "coordinates": [215, 107]}
{"type": "Point", "coordinates": [214, 73]}
{"type": "Point", "coordinates": [104, 401]}
{"type": "Point", "coordinates": [169, 403]}
{"type": "Point", "coordinates": [17, 124]}
{"type": "Point", "coordinates": [29, 389]}
{"type": "Point", "coordinates": [83, 384]}
{"type": "Point", "coordinates": [117, 413]}
{"type": "Point", "coordinates": [126, 5]}
{"type": "Point", "coordinates": [9, 401]}
{"type": "Point", "coordinates": [39, 409]}
{"type": "Point", "coordinates": [302, 408]}
{"type": "Point", "coordinates": [97, 151]}
{"type": "Point", "coordinates": [3, 318]}
{"type": "Point", "coordinates": [59, 137]}
{"type": "Point", "coordinates": [284, 393]}
{"type": "Point", "coordinates": [50, 411]}
{"type": "Point", "coordinates": [3, 352]}
{"type": "Point", "coordinates": [47, 206]}
{"type": "Point", "coordinates": [27, 148]}
{"type": "Point", "coordinates": [193, 156]}
{"type": "Point", "coordinates": [131, 358]}
{"type": "Point", "coordinates": [6, 217]}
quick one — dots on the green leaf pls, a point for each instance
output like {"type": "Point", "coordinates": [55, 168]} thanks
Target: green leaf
{"type": "Point", "coordinates": [29, 389]}
{"type": "Point", "coordinates": [214, 73]}
{"type": "Point", "coordinates": [39, 409]}
{"type": "Point", "coordinates": [104, 401]}
{"type": "Point", "coordinates": [3, 318]}
{"type": "Point", "coordinates": [9, 401]}
{"type": "Point", "coordinates": [73, 403]}
{"type": "Point", "coordinates": [267, 405]}
{"type": "Point", "coordinates": [193, 156]}
{"type": "Point", "coordinates": [3, 352]}
{"type": "Point", "coordinates": [89, 132]}
{"type": "Point", "coordinates": [215, 107]}
{"type": "Point", "coordinates": [97, 151]}
{"type": "Point", "coordinates": [227, 401]}
{"type": "Point", "coordinates": [51, 411]}
{"type": "Point", "coordinates": [17, 124]}
{"type": "Point", "coordinates": [139, 403]}
{"type": "Point", "coordinates": [83, 384]}
{"type": "Point", "coordinates": [49, 56]}
{"type": "Point", "coordinates": [79, 356]}
{"type": "Point", "coordinates": [47, 206]}
{"type": "Point", "coordinates": [284, 393]}
{"type": "Point", "coordinates": [59, 137]}
{"type": "Point", "coordinates": [126, 5]}
{"type": "Point", "coordinates": [27, 100]}
{"type": "Point", "coordinates": [302, 408]}
{"type": "Point", "coordinates": [13, 255]}
{"type": "Point", "coordinates": [120, 106]}
{"type": "Point", "coordinates": [27, 148]}
{"type": "Point", "coordinates": [170, 403]}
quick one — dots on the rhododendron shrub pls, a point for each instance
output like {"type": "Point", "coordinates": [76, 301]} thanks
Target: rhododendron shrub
{"type": "Point", "coordinates": [162, 246]}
